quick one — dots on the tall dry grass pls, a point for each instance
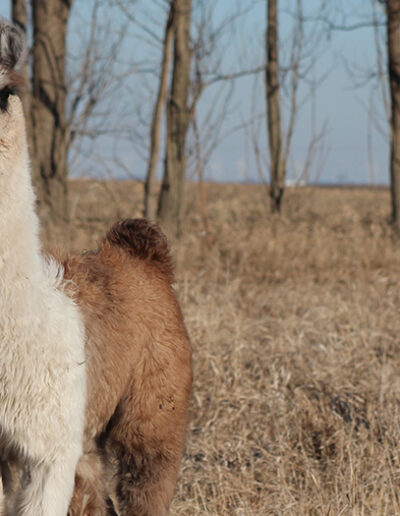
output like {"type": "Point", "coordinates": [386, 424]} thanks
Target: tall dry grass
{"type": "Point", "coordinates": [295, 328]}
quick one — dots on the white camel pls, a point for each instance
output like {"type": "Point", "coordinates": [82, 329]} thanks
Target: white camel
{"type": "Point", "coordinates": [42, 361]}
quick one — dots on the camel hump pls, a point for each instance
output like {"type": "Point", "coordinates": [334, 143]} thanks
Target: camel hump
{"type": "Point", "coordinates": [142, 239]}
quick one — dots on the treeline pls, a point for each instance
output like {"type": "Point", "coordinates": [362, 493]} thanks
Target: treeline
{"type": "Point", "coordinates": [192, 36]}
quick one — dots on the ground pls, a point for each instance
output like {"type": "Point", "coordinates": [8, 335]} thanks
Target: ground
{"type": "Point", "coordinates": [295, 327]}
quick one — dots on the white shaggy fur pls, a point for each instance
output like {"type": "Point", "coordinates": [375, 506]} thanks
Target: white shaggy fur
{"type": "Point", "coordinates": [42, 363]}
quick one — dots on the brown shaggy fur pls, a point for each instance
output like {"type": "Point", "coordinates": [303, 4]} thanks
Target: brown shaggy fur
{"type": "Point", "coordinates": [139, 373]}
{"type": "Point", "coordinates": [16, 82]}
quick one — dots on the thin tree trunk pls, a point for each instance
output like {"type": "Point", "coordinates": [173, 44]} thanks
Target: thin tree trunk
{"type": "Point", "coordinates": [393, 42]}
{"type": "Point", "coordinates": [273, 108]}
{"type": "Point", "coordinates": [50, 20]}
{"type": "Point", "coordinates": [178, 117]}
{"type": "Point", "coordinates": [150, 200]}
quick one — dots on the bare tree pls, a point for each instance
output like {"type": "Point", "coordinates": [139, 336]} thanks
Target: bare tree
{"type": "Point", "coordinates": [150, 199]}
{"type": "Point", "coordinates": [385, 78]}
{"type": "Point", "coordinates": [273, 107]}
{"type": "Point", "coordinates": [205, 50]}
{"type": "Point", "coordinates": [391, 106]}
{"type": "Point", "coordinates": [393, 48]}
{"type": "Point", "coordinates": [50, 20]}
{"type": "Point", "coordinates": [289, 86]}
{"type": "Point", "coordinates": [44, 105]}
{"type": "Point", "coordinates": [178, 118]}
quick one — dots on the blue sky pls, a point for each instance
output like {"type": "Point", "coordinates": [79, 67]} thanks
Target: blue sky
{"type": "Point", "coordinates": [340, 102]}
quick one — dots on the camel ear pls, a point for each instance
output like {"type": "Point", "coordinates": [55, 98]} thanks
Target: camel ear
{"type": "Point", "coordinates": [13, 46]}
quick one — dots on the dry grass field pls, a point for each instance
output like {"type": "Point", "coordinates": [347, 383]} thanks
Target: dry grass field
{"type": "Point", "coordinates": [295, 328]}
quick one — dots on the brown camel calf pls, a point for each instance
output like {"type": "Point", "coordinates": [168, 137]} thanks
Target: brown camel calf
{"type": "Point", "coordinates": [138, 360]}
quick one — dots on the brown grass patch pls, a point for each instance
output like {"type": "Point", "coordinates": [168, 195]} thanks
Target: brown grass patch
{"type": "Point", "coordinates": [295, 327]}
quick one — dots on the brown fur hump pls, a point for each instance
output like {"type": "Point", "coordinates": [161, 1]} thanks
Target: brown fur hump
{"type": "Point", "coordinates": [144, 240]}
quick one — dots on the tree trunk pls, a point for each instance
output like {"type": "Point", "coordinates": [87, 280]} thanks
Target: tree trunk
{"type": "Point", "coordinates": [273, 108]}
{"type": "Point", "coordinates": [18, 13]}
{"type": "Point", "coordinates": [178, 117]}
{"type": "Point", "coordinates": [150, 201]}
{"type": "Point", "coordinates": [48, 114]}
{"type": "Point", "coordinates": [393, 42]}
